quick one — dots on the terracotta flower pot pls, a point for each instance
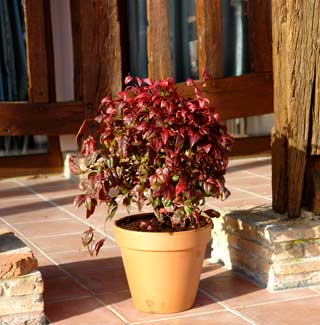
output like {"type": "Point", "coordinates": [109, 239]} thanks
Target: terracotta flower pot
{"type": "Point", "coordinates": [163, 269]}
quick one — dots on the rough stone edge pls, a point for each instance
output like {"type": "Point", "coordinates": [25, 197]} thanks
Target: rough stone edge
{"type": "Point", "coordinates": [263, 280]}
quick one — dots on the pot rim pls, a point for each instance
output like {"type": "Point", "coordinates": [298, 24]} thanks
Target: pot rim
{"type": "Point", "coordinates": [162, 241]}
{"type": "Point", "coordinates": [209, 224]}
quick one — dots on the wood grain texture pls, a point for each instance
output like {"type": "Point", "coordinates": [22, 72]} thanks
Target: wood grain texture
{"type": "Point", "coordinates": [296, 49]}
{"type": "Point", "coordinates": [260, 35]}
{"type": "Point", "coordinates": [243, 96]}
{"type": "Point", "coordinates": [36, 50]}
{"type": "Point", "coordinates": [21, 118]}
{"type": "Point", "coordinates": [27, 165]}
{"type": "Point", "coordinates": [251, 146]}
{"type": "Point", "coordinates": [98, 53]}
{"type": "Point", "coordinates": [279, 140]}
{"type": "Point", "coordinates": [208, 14]}
{"type": "Point", "coordinates": [158, 40]}
{"type": "Point", "coordinates": [315, 140]}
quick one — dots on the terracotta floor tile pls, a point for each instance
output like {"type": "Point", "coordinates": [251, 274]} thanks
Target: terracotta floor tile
{"type": "Point", "coordinates": [114, 297]}
{"type": "Point", "coordinates": [101, 281]}
{"type": "Point", "coordinates": [202, 304]}
{"type": "Point", "coordinates": [229, 203]}
{"type": "Point", "coordinates": [210, 270]}
{"type": "Point", "coordinates": [238, 292]}
{"type": "Point", "coordinates": [22, 205]}
{"type": "Point", "coordinates": [80, 312]}
{"type": "Point", "coordinates": [46, 213]}
{"type": "Point", "coordinates": [52, 228]}
{"type": "Point", "coordinates": [13, 192]}
{"type": "Point", "coordinates": [72, 243]}
{"type": "Point", "coordinates": [48, 269]}
{"type": "Point", "coordinates": [108, 258]}
{"type": "Point", "coordinates": [62, 287]}
{"type": "Point", "coordinates": [303, 311]}
{"type": "Point", "coordinates": [216, 318]}
{"type": "Point", "coordinates": [247, 181]}
{"type": "Point", "coordinates": [59, 244]}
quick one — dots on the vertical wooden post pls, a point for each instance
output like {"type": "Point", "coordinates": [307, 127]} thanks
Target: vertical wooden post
{"type": "Point", "coordinates": [41, 65]}
{"type": "Point", "coordinates": [208, 13]}
{"type": "Point", "coordinates": [97, 51]}
{"type": "Point", "coordinates": [296, 32]}
{"type": "Point", "coordinates": [260, 35]}
{"type": "Point", "coordinates": [158, 39]}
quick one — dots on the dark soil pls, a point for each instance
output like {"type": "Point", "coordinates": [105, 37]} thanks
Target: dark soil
{"type": "Point", "coordinates": [149, 223]}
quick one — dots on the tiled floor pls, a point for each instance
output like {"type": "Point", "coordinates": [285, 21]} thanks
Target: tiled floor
{"type": "Point", "coordinates": [80, 289]}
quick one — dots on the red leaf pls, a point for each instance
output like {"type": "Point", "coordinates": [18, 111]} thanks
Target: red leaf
{"type": "Point", "coordinates": [212, 213]}
{"type": "Point", "coordinates": [79, 200]}
{"type": "Point", "coordinates": [127, 80]}
{"type": "Point", "coordinates": [190, 82]}
{"type": "Point", "coordinates": [181, 187]}
{"type": "Point", "coordinates": [164, 135]}
{"type": "Point", "coordinates": [88, 146]}
{"type": "Point", "coordinates": [83, 129]}
{"type": "Point", "coordinates": [87, 237]}
{"type": "Point", "coordinates": [98, 246]}
{"type": "Point", "coordinates": [139, 81]}
{"type": "Point", "coordinates": [193, 137]}
{"type": "Point", "coordinates": [74, 168]}
{"type": "Point", "coordinates": [147, 81]}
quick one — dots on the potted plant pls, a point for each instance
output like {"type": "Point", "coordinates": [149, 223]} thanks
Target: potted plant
{"type": "Point", "coordinates": [151, 145]}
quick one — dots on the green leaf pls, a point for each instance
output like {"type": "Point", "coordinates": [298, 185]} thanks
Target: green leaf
{"type": "Point", "coordinates": [175, 178]}
{"type": "Point", "coordinates": [187, 209]}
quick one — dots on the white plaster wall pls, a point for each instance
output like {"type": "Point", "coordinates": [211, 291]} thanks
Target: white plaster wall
{"type": "Point", "coordinates": [63, 60]}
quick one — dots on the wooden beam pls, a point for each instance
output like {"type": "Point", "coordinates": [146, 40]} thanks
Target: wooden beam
{"type": "Point", "coordinates": [36, 50]}
{"type": "Point", "coordinates": [36, 165]}
{"type": "Point", "coordinates": [296, 52]}
{"type": "Point", "coordinates": [98, 52]}
{"type": "Point", "coordinates": [209, 22]}
{"type": "Point", "coordinates": [21, 118]}
{"type": "Point", "coordinates": [158, 40]}
{"type": "Point", "coordinates": [234, 97]}
{"type": "Point", "coordinates": [260, 35]}
{"type": "Point", "coordinates": [251, 146]}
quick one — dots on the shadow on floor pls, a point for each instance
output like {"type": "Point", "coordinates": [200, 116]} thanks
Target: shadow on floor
{"type": "Point", "coordinates": [34, 206]}
{"type": "Point", "coordinates": [105, 279]}
{"type": "Point", "coordinates": [46, 187]}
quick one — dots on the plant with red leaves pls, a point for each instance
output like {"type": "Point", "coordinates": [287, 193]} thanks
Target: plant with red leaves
{"type": "Point", "coordinates": [151, 145]}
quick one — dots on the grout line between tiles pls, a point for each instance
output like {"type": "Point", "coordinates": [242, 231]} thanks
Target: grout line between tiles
{"type": "Point", "coordinates": [256, 175]}
{"type": "Point", "coordinates": [55, 235]}
{"type": "Point", "coordinates": [276, 301]}
{"type": "Point", "coordinates": [231, 310]}
{"type": "Point", "coordinates": [251, 193]}
{"type": "Point", "coordinates": [315, 290]}
{"type": "Point", "coordinates": [81, 250]}
{"type": "Point", "coordinates": [54, 262]}
{"type": "Point", "coordinates": [177, 317]}
{"type": "Point", "coordinates": [117, 314]}
{"type": "Point", "coordinates": [40, 221]}
{"type": "Point", "coordinates": [54, 301]}
{"type": "Point", "coordinates": [42, 197]}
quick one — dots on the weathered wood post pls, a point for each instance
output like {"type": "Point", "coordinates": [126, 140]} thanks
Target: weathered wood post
{"type": "Point", "coordinates": [296, 133]}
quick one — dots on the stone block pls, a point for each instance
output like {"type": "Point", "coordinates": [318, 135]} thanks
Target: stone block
{"type": "Point", "coordinates": [302, 265]}
{"type": "Point", "coordinates": [276, 251]}
{"type": "Point", "coordinates": [21, 304]}
{"type": "Point", "coordinates": [31, 318]}
{"type": "Point", "coordinates": [23, 285]}
{"type": "Point", "coordinates": [15, 257]}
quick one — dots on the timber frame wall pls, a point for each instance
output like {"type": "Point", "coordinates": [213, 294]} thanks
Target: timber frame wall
{"type": "Point", "coordinates": [99, 46]}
